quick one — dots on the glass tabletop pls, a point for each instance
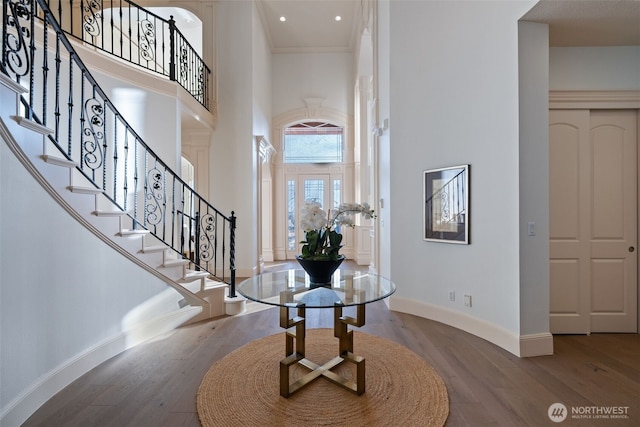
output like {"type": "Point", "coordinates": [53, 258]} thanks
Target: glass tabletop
{"type": "Point", "coordinates": [291, 288]}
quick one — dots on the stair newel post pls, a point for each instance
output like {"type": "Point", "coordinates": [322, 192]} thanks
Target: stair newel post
{"type": "Point", "coordinates": [232, 255]}
{"type": "Point", "coordinates": [172, 49]}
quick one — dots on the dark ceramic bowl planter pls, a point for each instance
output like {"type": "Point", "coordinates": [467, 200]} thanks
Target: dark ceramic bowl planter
{"type": "Point", "coordinates": [320, 272]}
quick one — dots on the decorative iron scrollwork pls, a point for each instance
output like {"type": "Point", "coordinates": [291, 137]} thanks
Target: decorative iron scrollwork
{"type": "Point", "coordinates": [92, 155]}
{"type": "Point", "coordinates": [154, 197]}
{"type": "Point", "coordinates": [184, 63]}
{"type": "Point", "coordinates": [207, 238]}
{"type": "Point", "coordinates": [92, 14]}
{"type": "Point", "coordinates": [200, 90]}
{"type": "Point", "coordinates": [17, 33]}
{"type": "Point", "coordinates": [147, 39]}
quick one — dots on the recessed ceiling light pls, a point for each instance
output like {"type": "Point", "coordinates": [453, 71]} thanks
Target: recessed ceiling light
{"type": "Point", "coordinates": [282, 19]}
{"type": "Point", "coordinates": [338, 18]}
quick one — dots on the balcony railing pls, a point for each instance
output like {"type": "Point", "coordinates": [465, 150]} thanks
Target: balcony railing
{"type": "Point", "coordinates": [87, 129]}
{"type": "Point", "coordinates": [138, 36]}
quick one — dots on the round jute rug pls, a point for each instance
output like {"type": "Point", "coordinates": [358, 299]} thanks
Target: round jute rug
{"type": "Point", "coordinates": [242, 389]}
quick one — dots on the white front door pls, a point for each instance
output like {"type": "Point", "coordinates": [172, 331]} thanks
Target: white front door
{"type": "Point", "coordinates": [316, 187]}
{"type": "Point", "coordinates": [593, 221]}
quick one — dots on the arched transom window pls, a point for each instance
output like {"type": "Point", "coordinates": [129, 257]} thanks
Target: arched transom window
{"type": "Point", "coordinates": [313, 142]}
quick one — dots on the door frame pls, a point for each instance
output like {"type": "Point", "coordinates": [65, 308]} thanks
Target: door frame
{"type": "Point", "coordinates": [298, 173]}
{"type": "Point", "coordinates": [314, 111]}
{"type": "Point", "coordinates": [602, 100]}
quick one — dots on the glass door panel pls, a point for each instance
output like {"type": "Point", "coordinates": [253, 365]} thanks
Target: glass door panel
{"type": "Point", "coordinates": [314, 191]}
{"type": "Point", "coordinates": [300, 188]}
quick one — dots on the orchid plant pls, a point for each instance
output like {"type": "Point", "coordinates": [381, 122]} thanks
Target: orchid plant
{"type": "Point", "coordinates": [322, 240]}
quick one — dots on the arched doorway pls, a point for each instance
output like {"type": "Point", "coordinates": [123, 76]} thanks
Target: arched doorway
{"type": "Point", "coordinates": [334, 182]}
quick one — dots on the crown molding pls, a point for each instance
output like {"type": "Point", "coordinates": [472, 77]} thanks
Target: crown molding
{"type": "Point", "coordinates": [574, 99]}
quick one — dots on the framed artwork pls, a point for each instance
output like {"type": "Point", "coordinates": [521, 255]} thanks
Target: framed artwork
{"type": "Point", "coordinates": [446, 205]}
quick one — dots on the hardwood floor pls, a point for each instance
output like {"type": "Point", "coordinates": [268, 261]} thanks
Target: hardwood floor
{"type": "Point", "coordinates": [155, 384]}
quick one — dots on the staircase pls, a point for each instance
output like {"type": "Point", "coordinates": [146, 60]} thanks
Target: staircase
{"type": "Point", "coordinates": [84, 153]}
{"type": "Point", "coordinates": [67, 134]}
{"type": "Point", "coordinates": [88, 204]}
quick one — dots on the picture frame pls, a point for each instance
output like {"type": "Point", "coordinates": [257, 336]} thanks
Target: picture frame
{"type": "Point", "coordinates": [446, 204]}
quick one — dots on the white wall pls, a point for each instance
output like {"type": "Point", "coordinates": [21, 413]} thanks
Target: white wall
{"type": "Point", "coordinates": [231, 147]}
{"type": "Point", "coordinates": [154, 116]}
{"type": "Point", "coordinates": [312, 75]}
{"type": "Point", "coordinates": [594, 68]}
{"type": "Point", "coordinates": [262, 77]}
{"type": "Point", "coordinates": [147, 101]}
{"type": "Point", "coordinates": [262, 94]}
{"type": "Point", "coordinates": [67, 300]}
{"type": "Point", "coordinates": [242, 110]}
{"type": "Point", "coordinates": [384, 144]}
{"type": "Point", "coordinates": [278, 83]}
{"type": "Point", "coordinates": [453, 99]}
{"type": "Point", "coordinates": [328, 78]}
{"type": "Point", "coordinates": [534, 194]}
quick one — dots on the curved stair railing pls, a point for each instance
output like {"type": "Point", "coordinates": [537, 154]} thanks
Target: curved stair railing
{"type": "Point", "coordinates": [138, 36]}
{"type": "Point", "coordinates": [87, 129]}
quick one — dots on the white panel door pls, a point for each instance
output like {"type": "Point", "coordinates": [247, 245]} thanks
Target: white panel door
{"type": "Point", "coordinates": [593, 221]}
{"type": "Point", "coordinates": [569, 222]}
{"type": "Point", "coordinates": [614, 221]}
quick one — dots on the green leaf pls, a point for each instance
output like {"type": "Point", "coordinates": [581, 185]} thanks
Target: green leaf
{"type": "Point", "coordinates": [335, 239]}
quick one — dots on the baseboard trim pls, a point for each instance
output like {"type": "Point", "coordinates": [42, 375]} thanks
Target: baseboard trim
{"type": "Point", "coordinates": [24, 405]}
{"type": "Point", "coordinates": [521, 346]}
{"type": "Point", "coordinates": [536, 345]}
{"type": "Point", "coordinates": [267, 256]}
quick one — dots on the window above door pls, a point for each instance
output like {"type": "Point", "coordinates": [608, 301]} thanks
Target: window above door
{"type": "Point", "coordinates": [313, 142]}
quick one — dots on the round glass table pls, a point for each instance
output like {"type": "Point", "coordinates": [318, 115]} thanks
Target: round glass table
{"type": "Point", "coordinates": [291, 289]}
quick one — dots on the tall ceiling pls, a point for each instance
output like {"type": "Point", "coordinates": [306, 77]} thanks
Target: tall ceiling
{"type": "Point", "coordinates": [310, 25]}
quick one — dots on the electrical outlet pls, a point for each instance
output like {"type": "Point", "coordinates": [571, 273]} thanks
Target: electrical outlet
{"type": "Point", "coordinates": [467, 300]}
{"type": "Point", "coordinates": [452, 295]}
